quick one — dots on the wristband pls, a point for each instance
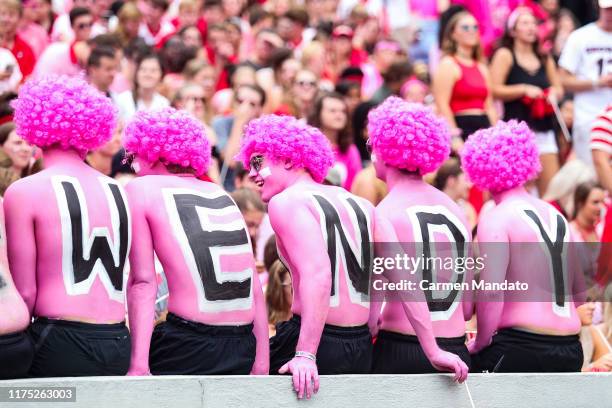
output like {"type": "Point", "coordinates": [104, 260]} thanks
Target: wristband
{"type": "Point", "coordinates": [307, 355]}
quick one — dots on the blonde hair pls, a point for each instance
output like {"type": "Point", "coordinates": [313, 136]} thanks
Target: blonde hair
{"type": "Point", "coordinates": [563, 184]}
{"type": "Point", "coordinates": [449, 45]}
{"type": "Point", "coordinates": [188, 4]}
{"type": "Point", "coordinates": [14, 5]}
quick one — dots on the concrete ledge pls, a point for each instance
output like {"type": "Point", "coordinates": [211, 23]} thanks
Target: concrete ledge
{"type": "Point", "coordinates": [343, 391]}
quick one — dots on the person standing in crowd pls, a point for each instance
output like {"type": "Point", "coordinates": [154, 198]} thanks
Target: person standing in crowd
{"type": "Point", "coordinates": [586, 70]}
{"type": "Point", "coordinates": [10, 13]}
{"type": "Point", "coordinates": [216, 309]}
{"type": "Point", "coordinates": [521, 332]}
{"type": "Point", "coordinates": [461, 83]}
{"type": "Point", "coordinates": [16, 149]}
{"type": "Point", "coordinates": [253, 211]}
{"type": "Point", "coordinates": [331, 117]}
{"type": "Point", "coordinates": [130, 18]}
{"type": "Point", "coordinates": [248, 105]}
{"type": "Point", "coordinates": [71, 281]}
{"type": "Point", "coordinates": [101, 158]}
{"type": "Point", "coordinates": [524, 79]}
{"type": "Point", "coordinates": [328, 333]}
{"type": "Point", "coordinates": [16, 348]}
{"type": "Point", "coordinates": [144, 95]}
{"type": "Point", "coordinates": [588, 206]}
{"type": "Point", "coordinates": [101, 69]}
{"type": "Point", "coordinates": [279, 295]}
{"type": "Point", "coordinates": [601, 148]}
{"type": "Point", "coordinates": [303, 93]}
{"type": "Point", "coordinates": [63, 58]}
{"type": "Point", "coordinates": [451, 180]}
{"type": "Point", "coordinates": [400, 134]}
{"type": "Point", "coordinates": [202, 73]}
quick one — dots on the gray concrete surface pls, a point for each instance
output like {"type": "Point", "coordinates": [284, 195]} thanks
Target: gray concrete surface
{"type": "Point", "coordinates": [343, 391]}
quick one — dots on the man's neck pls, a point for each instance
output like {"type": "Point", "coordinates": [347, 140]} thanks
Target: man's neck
{"type": "Point", "coordinates": [396, 178]}
{"type": "Point", "coordinates": [513, 192]}
{"type": "Point", "coordinates": [600, 23]}
{"type": "Point", "coordinates": [55, 156]}
{"type": "Point", "coordinates": [7, 40]}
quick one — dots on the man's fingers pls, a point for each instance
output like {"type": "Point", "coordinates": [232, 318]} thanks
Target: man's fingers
{"type": "Point", "coordinates": [309, 378]}
{"type": "Point", "coordinates": [302, 377]}
{"type": "Point", "coordinates": [316, 382]}
{"type": "Point", "coordinates": [283, 369]}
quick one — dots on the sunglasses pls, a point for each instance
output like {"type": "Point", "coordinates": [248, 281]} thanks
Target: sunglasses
{"type": "Point", "coordinates": [256, 162]}
{"type": "Point", "coordinates": [195, 99]}
{"type": "Point", "coordinates": [306, 84]}
{"type": "Point", "coordinates": [467, 27]}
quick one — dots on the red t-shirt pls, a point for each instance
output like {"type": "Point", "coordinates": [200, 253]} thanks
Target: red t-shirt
{"type": "Point", "coordinates": [24, 56]}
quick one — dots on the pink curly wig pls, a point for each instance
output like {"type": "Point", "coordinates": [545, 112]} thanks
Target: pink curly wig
{"type": "Point", "coordinates": [501, 157]}
{"type": "Point", "coordinates": [168, 136]}
{"type": "Point", "coordinates": [408, 136]}
{"type": "Point", "coordinates": [285, 138]}
{"type": "Point", "coordinates": [64, 111]}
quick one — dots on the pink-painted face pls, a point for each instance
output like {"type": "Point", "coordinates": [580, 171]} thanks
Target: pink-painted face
{"type": "Point", "coordinates": [268, 176]}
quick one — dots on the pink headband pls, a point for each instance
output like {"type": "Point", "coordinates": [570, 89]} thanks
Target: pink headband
{"type": "Point", "coordinates": [514, 16]}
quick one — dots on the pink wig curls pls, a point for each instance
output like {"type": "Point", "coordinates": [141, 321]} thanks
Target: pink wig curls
{"type": "Point", "coordinates": [64, 111]}
{"type": "Point", "coordinates": [170, 137]}
{"type": "Point", "coordinates": [408, 136]}
{"type": "Point", "coordinates": [286, 138]}
{"type": "Point", "coordinates": [501, 157]}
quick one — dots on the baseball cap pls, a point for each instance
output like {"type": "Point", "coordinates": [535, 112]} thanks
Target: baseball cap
{"type": "Point", "coordinates": [605, 3]}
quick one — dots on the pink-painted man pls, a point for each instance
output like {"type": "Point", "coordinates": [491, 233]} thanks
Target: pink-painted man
{"type": "Point", "coordinates": [16, 349]}
{"type": "Point", "coordinates": [217, 321]}
{"type": "Point", "coordinates": [324, 236]}
{"type": "Point", "coordinates": [523, 240]}
{"type": "Point", "coordinates": [407, 141]}
{"type": "Point", "coordinates": [68, 233]}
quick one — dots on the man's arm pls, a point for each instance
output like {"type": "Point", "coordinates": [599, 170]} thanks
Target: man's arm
{"type": "Point", "coordinates": [142, 283]}
{"type": "Point", "coordinates": [495, 251]}
{"type": "Point", "coordinates": [300, 233]}
{"type": "Point", "coordinates": [601, 159]}
{"type": "Point", "coordinates": [573, 84]}
{"type": "Point", "coordinates": [261, 366]}
{"type": "Point", "coordinates": [416, 308]}
{"type": "Point", "coordinates": [21, 240]}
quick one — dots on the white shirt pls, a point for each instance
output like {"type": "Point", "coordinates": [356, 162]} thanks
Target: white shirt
{"type": "Point", "coordinates": [7, 59]}
{"type": "Point", "coordinates": [588, 55]}
{"type": "Point", "coordinates": [127, 107]}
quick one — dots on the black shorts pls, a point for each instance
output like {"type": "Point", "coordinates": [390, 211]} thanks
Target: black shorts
{"type": "Point", "coordinates": [517, 351]}
{"type": "Point", "coordinates": [342, 350]}
{"type": "Point", "coordinates": [396, 353]}
{"type": "Point", "coordinates": [471, 123]}
{"type": "Point", "coordinates": [16, 353]}
{"type": "Point", "coordinates": [180, 346]}
{"type": "Point", "coordinates": [75, 349]}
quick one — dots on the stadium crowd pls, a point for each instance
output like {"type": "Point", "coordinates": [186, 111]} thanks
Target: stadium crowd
{"type": "Point", "coordinates": [329, 63]}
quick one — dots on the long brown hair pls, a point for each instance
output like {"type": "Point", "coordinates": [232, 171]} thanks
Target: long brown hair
{"type": "Point", "coordinates": [449, 46]}
{"type": "Point", "coordinates": [345, 137]}
{"type": "Point", "coordinates": [507, 41]}
{"type": "Point", "coordinates": [277, 300]}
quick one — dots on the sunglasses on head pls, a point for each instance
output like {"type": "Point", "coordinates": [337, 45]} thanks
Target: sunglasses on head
{"type": "Point", "coordinates": [256, 162]}
{"type": "Point", "coordinates": [469, 27]}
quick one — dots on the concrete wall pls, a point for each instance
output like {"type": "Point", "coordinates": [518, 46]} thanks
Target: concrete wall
{"type": "Point", "coordinates": [345, 391]}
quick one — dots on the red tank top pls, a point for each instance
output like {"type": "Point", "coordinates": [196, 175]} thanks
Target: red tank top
{"type": "Point", "coordinates": [470, 90]}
